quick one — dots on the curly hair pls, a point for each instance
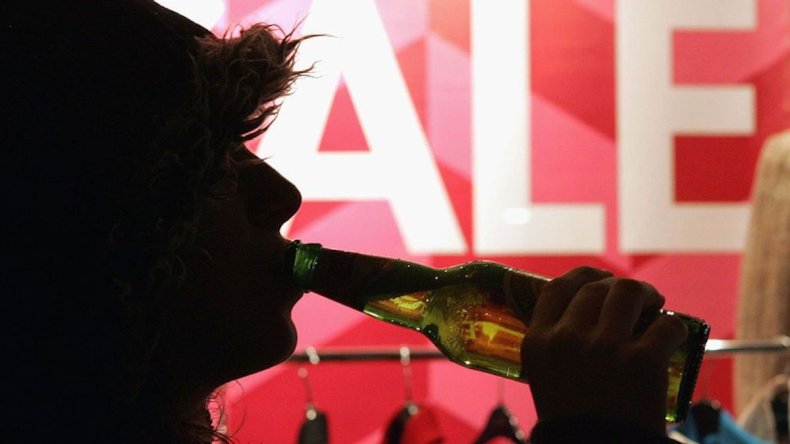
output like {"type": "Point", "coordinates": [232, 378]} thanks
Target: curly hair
{"type": "Point", "coordinates": [232, 99]}
{"type": "Point", "coordinates": [122, 119]}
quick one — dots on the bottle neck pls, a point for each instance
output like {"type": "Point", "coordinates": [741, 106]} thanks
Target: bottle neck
{"type": "Point", "coordinates": [304, 258]}
{"type": "Point", "coordinates": [354, 279]}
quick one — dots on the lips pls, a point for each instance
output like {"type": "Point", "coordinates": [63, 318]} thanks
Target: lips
{"type": "Point", "coordinates": [285, 260]}
{"type": "Point", "coordinates": [288, 260]}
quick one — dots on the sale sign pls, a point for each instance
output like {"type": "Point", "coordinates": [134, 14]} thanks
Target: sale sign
{"type": "Point", "coordinates": [544, 134]}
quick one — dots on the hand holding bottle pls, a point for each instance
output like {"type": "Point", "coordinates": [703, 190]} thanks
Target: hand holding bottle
{"type": "Point", "coordinates": [479, 313]}
{"type": "Point", "coordinates": [583, 356]}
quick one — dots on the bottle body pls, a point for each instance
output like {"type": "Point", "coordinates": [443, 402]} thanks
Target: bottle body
{"type": "Point", "coordinates": [466, 316]}
{"type": "Point", "coordinates": [476, 314]}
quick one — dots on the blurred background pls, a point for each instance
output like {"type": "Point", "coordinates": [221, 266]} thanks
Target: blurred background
{"type": "Point", "coordinates": [543, 134]}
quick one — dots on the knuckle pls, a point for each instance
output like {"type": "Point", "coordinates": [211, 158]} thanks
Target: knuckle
{"type": "Point", "coordinates": [627, 289]}
{"type": "Point", "coordinates": [587, 272]}
{"type": "Point", "coordinates": [576, 277]}
{"type": "Point", "coordinates": [559, 285]}
{"type": "Point", "coordinates": [596, 287]}
{"type": "Point", "coordinates": [629, 286]}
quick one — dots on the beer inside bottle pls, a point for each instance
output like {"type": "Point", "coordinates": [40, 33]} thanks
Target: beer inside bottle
{"type": "Point", "coordinates": [472, 312]}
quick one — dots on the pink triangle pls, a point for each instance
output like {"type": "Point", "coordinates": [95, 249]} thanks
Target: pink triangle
{"type": "Point", "coordinates": [343, 131]}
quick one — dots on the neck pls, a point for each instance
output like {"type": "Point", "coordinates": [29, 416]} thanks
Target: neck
{"type": "Point", "coordinates": [170, 406]}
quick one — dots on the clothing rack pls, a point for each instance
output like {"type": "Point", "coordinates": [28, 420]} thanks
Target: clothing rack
{"type": "Point", "coordinates": [777, 344]}
{"type": "Point", "coordinates": [714, 348]}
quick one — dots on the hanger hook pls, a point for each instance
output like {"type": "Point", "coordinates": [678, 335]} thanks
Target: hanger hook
{"type": "Point", "coordinates": [405, 360]}
{"type": "Point", "coordinates": [312, 355]}
{"type": "Point", "coordinates": [310, 411]}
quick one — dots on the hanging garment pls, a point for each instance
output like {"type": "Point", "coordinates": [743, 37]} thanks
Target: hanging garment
{"type": "Point", "coordinates": [422, 428]}
{"type": "Point", "coordinates": [502, 424]}
{"type": "Point", "coordinates": [398, 422]}
{"type": "Point", "coordinates": [414, 425]}
{"type": "Point", "coordinates": [724, 431]}
{"type": "Point", "coordinates": [314, 429]}
{"type": "Point", "coordinates": [764, 294]}
{"type": "Point", "coordinates": [766, 415]}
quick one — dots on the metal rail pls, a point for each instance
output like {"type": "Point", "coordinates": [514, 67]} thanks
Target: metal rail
{"type": "Point", "coordinates": [714, 348]}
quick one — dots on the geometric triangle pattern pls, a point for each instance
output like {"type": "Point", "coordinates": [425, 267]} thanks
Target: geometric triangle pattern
{"type": "Point", "coordinates": [574, 159]}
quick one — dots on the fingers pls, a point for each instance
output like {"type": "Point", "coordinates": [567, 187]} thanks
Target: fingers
{"type": "Point", "coordinates": [591, 348]}
{"type": "Point", "coordinates": [587, 296]}
{"type": "Point", "coordinates": [627, 301]}
{"type": "Point", "coordinates": [558, 293]}
{"type": "Point", "coordinates": [592, 297]}
{"type": "Point", "coordinates": [585, 308]}
{"type": "Point", "coordinates": [664, 337]}
{"type": "Point", "coordinates": [613, 307]}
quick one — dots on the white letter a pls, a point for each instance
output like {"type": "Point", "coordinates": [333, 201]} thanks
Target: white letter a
{"type": "Point", "coordinates": [398, 167]}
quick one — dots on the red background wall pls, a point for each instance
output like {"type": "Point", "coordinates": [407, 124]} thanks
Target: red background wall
{"type": "Point", "coordinates": [576, 144]}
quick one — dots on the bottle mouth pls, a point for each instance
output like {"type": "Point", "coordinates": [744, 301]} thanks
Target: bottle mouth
{"type": "Point", "coordinates": [289, 258]}
{"type": "Point", "coordinates": [300, 263]}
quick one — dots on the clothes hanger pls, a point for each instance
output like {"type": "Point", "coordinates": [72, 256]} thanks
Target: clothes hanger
{"type": "Point", "coordinates": [501, 423]}
{"type": "Point", "coordinates": [780, 410]}
{"type": "Point", "coordinates": [765, 414]}
{"type": "Point", "coordinates": [315, 427]}
{"type": "Point", "coordinates": [779, 407]}
{"type": "Point", "coordinates": [398, 423]}
{"type": "Point", "coordinates": [706, 416]}
{"type": "Point", "coordinates": [706, 412]}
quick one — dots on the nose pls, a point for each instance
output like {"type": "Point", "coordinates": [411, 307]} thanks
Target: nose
{"type": "Point", "coordinates": [270, 198]}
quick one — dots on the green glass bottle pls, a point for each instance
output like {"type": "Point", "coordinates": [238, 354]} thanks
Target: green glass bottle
{"type": "Point", "coordinates": [468, 311]}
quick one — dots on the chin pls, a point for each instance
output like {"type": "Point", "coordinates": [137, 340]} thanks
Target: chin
{"type": "Point", "coordinates": [276, 346]}
{"type": "Point", "coordinates": [289, 343]}
{"type": "Point", "coordinates": [269, 343]}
